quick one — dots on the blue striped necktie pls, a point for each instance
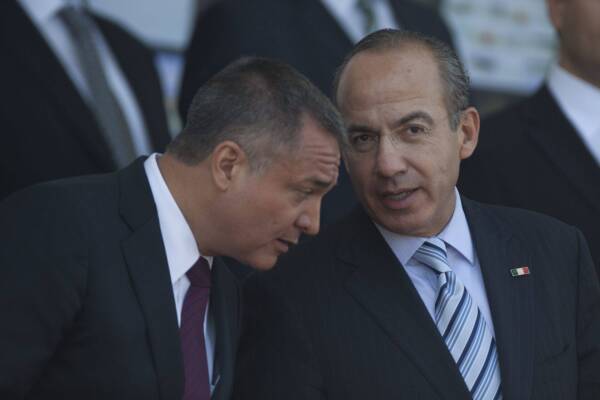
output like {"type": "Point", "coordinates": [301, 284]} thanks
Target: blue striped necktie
{"type": "Point", "coordinates": [462, 326]}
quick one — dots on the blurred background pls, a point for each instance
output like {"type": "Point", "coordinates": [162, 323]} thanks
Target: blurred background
{"type": "Point", "coordinates": [91, 84]}
{"type": "Point", "coordinates": [507, 45]}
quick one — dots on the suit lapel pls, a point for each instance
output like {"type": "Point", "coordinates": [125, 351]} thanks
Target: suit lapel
{"type": "Point", "coordinates": [224, 308]}
{"type": "Point", "coordinates": [147, 263]}
{"type": "Point", "coordinates": [510, 299]}
{"type": "Point", "coordinates": [382, 287]}
{"type": "Point", "coordinates": [141, 81]}
{"type": "Point", "coordinates": [320, 22]}
{"type": "Point", "coordinates": [557, 138]}
{"type": "Point", "coordinates": [48, 74]}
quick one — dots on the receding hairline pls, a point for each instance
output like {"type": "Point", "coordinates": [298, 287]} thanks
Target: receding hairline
{"type": "Point", "coordinates": [386, 48]}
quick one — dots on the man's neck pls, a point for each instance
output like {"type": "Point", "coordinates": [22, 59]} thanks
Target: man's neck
{"type": "Point", "coordinates": [590, 75]}
{"type": "Point", "coordinates": [181, 179]}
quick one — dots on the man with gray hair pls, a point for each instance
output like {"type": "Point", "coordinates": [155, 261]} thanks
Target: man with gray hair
{"type": "Point", "coordinates": [111, 286]}
{"type": "Point", "coordinates": [421, 293]}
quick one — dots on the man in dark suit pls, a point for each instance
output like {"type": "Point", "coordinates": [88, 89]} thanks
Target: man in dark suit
{"type": "Point", "coordinates": [420, 293]}
{"type": "Point", "coordinates": [47, 113]}
{"type": "Point", "coordinates": [544, 153]}
{"type": "Point", "coordinates": [311, 35]}
{"type": "Point", "coordinates": [105, 280]}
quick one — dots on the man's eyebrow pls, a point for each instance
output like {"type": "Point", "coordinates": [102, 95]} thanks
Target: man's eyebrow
{"type": "Point", "coordinates": [320, 183]}
{"type": "Point", "coordinates": [411, 117]}
{"type": "Point", "coordinates": [422, 115]}
{"type": "Point", "coordinates": [354, 128]}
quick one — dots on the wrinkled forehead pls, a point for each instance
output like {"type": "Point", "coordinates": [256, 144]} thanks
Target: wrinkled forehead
{"type": "Point", "coordinates": [388, 80]}
{"type": "Point", "coordinates": [385, 75]}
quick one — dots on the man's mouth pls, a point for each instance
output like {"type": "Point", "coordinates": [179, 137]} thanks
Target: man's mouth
{"type": "Point", "coordinates": [399, 194]}
{"type": "Point", "coordinates": [398, 199]}
{"type": "Point", "coordinates": [285, 244]}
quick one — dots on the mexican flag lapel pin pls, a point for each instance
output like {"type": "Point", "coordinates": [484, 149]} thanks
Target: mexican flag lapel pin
{"type": "Point", "coordinates": [520, 271]}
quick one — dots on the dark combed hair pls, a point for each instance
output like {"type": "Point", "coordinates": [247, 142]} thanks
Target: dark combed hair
{"type": "Point", "coordinates": [453, 75]}
{"type": "Point", "coordinates": [258, 103]}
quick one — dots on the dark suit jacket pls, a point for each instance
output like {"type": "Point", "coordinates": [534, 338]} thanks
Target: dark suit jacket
{"type": "Point", "coordinates": [86, 301]}
{"type": "Point", "coordinates": [300, 32]}
{"type": "Point", "coordinates": [339, 318]}
{"type": "Point", "coordinates": [47, 130]}
{"type": "Point", "coordinates": [530, 156]}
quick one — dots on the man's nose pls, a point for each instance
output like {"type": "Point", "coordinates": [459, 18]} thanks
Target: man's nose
{"type": "Point", "coordinates": [390, 159]}
{"type": "Point", "coordinates": [309, 220]}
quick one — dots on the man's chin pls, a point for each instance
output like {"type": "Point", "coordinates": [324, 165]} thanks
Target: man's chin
{"type": "Point", "coordinates": [263, 263]}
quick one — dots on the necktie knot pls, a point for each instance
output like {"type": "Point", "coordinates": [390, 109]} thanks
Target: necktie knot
{"type": "Point", "coordinates": [433, 254]}
{"type": "Point", "coordinates": [199, 274]}
{"type": "Point", "coordinates": [81, 28]}
{"type": "Point", "coordinates": [72, 15]}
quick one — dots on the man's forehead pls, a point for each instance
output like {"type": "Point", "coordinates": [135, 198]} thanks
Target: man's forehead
{"type": "Point", "coordinates": [316, 148]}
{"type": "Point", "coordinates": [391, 59]}
{"type": "Point", "coordinates": [386, 73]}
{"type": "Point", "coordinates": [316, 139]}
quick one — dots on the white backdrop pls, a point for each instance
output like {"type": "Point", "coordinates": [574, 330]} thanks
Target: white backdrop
{"type": "Point", "coordinates": [505, 44]}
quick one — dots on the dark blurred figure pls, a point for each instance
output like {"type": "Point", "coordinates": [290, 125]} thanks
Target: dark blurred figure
{"type": "Point", "coordinates": [80, 94]}
{"type": "Point", "coordinates": [544, 153]}
{"type": "Point", "coordinates": [312, 35]}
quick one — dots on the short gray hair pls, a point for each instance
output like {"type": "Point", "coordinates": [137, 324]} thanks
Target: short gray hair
{"type": "Point", "coordinates": [257, 103]}
{"type": "Point", "coordinates": [452, 72]}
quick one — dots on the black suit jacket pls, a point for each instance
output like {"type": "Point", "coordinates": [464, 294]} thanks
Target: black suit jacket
{"type": "Point", "coordinates": [86, 298]}
{"type": "Point", "coordinates": [530, 156]}
{"type": "Point", "coordinates": [300, 32]}
{"type": "Point", "coordinates": [47, 130]}
{"type": "Point", "coordinates": [339, 318]}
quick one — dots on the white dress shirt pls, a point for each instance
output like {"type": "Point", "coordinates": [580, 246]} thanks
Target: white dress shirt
{"type": "Point", "coordinates": [44, 15]}
{"type": "Point", "coordinates": [580, 102]}
{"type": "Point", "coordinates": [462, 259]}
{"type": "Point", "coordinates": [181, 249]}
{"type": "Point", "coordinates": [350, 18]}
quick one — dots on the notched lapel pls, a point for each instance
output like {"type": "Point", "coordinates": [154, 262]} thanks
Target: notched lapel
{"type": "Point", "coordinates": [224, 309]}
{"type": "Point", "coordinates": [557, 138]}
{"type": "Point", "coordinates": [47, 70]}
{"type": "Point", "coordinates": [147, 263]}
{"type": "Point", "coordinates": [322, 26]}
{"type": "Point", "coordinates": [510, 299]}
{"type": "Point", "coordinates": [382, 287]}
{"type": "Point", "coordinates": [148, 268]}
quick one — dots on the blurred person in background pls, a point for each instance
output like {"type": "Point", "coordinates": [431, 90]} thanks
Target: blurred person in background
{"type": "Point", "coordinates": [80, 94]}
{"type": "Point", "coordinates": [543, 154]}
{"type": "Point", "coordinates": [311, 35]}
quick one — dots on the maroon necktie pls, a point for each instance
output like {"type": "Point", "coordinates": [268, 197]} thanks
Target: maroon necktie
{"type": "Point", "coordinates": [192, 332]}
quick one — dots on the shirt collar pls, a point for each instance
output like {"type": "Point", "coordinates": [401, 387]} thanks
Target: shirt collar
{"type": "Point", "coordinates": [40, 11]}
{"type": "Point", "coordinates": [180, 245]}
{"type": "Point", "coordinates": [456, 234]}
{"type": "Point", "coordinates": [577, 98]}
{"type": "Point", "coordinates": [343, 8]}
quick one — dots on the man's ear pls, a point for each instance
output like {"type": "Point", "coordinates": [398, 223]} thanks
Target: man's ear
{"type": "Point", "coordinates": [468, 132]}
{"type": "Point", "coordinates": [228, 161]}
{"type": "Point", "coordinates": [556, 10]}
